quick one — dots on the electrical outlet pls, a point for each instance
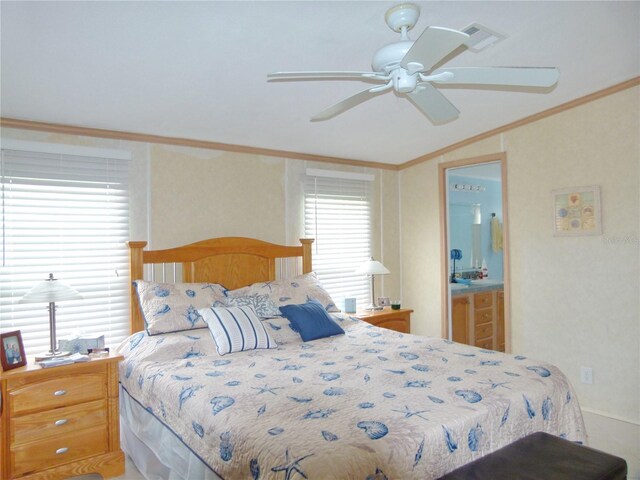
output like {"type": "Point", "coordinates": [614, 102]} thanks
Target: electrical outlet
{"type": "Point", "coordinates": [586, 375]}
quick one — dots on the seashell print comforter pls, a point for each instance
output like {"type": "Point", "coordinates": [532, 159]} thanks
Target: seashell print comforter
{"type": "Point", "coordinates": [370, 404]}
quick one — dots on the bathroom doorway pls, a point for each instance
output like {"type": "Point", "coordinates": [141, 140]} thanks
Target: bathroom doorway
{"type": "Point", "coordinates": [475, 294]}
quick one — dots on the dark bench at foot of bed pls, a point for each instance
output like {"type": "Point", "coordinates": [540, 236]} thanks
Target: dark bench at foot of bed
{"type": "Point", "coordinates": [541, 456]}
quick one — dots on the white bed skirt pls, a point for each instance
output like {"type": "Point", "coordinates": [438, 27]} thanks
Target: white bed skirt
{"type": "Point", "coordinates": [155, 450]}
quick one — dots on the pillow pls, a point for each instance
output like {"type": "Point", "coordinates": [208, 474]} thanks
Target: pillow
{"type": "Point", "coordinates": [281, 330]}
{"type": "Point", "coordinates": [261, 304]}
{"type": "Point", "coordinates": [293, 291]}
{"type": "Point", "coordinates": [311, 320]}
{"type": "Point", "coordinates": [173, 307]}
{"type": "Point", "coordinates": [236, 329]}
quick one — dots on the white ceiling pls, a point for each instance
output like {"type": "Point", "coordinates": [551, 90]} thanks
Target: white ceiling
{"type": "Point", "coordinates": [198, 69]}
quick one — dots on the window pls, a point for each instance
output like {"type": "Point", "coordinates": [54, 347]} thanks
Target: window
{"type": "Point", "coordinates": [65, 210]}
{"type": "Point", "coordinates": [338, 217]}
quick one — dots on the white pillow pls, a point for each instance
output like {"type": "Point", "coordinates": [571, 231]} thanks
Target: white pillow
{"type": "Point", "coordinates": [173, 307]}
{"type": "Point", "coordinates": [236, 329]}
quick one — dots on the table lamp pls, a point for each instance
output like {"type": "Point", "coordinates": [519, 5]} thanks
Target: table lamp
{"type": "Point", "coordinates": [372, 267]}
{"type": "Point", "coordinates": [51, 290]}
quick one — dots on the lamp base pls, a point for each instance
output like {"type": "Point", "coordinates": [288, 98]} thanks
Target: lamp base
{"type": "Point", "coordinates": [49, 355]}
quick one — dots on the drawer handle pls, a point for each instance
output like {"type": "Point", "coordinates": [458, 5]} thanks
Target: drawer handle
{"type": "Point", "coordinates": [61, 422]}
{"type": "Point", "coordinates": [59, 393]}
{"type": "Point", "coordinates": [62, 450]}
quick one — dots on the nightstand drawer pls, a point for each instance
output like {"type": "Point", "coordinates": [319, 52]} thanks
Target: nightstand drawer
{"type": "Point", "coordinates": [484, 331]}
{"type": "Point", "coordinates": [398, 320]}
{"type": "Point", "coordinates": [60, 421]}
{"type": "Point", "coordinates": [56, 451]}
{"type": "Point", "coordinates": [57, 392]}
{"type": "Point", "coordinates": [397, 324]}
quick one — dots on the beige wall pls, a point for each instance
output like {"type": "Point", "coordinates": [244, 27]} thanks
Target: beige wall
{"type": "Point", "coordinates": [198, 194]}
{"type": "Point", "coordinates": [574, 300]}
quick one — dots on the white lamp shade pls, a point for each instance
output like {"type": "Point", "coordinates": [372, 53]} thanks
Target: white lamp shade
{"type": "Point", "coordinates": [372, 267]}
{"type": "Point", "coordinates": [51, 290]}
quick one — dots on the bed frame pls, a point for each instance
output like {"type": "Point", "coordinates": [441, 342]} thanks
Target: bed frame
{"type": "Point", "coordinates": [230, 261]}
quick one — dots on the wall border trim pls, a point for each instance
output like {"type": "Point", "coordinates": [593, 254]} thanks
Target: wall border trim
{"type": "Point", "coordinates": [186, 142]}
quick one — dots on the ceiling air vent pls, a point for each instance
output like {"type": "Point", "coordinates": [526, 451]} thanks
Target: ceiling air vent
{"type": "Point", "coordinates": [481, 37]}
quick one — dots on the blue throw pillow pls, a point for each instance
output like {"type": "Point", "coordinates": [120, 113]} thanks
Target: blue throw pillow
{"type": "Point", "coordinates": [311, 320]}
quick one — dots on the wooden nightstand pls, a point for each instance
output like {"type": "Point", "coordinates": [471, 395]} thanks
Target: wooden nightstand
{"type": "Point", "coordinates": [398, 320]}
{"type": "Point", "coordinates": [61, 421]}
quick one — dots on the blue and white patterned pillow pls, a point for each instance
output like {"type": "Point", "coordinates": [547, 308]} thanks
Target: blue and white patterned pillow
{"type": "Point", "coordinates": [236, 329]}
{"type": "Point", "coordinates": [262, 304]}
{"type": "Point", "coordinates": [173, 307]}
{"type": "Point", "coordinates": [292, 291]}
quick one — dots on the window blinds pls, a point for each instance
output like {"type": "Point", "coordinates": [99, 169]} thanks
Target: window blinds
{"type": "Point", "coordinates": [67, 215]}
{"type": "Point", "coordinates": [338, 217]}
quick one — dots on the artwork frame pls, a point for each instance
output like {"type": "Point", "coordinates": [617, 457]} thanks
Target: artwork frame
{"type": "Point", "coordinates": [577, 211]}
{"type": "Point", "coordinates": [12, 350]}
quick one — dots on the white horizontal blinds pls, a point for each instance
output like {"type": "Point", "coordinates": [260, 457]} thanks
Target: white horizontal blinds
{"type": "Point", "coordinates": [67, 215]}
{"type": "Point", "coordinates": [338, 217]}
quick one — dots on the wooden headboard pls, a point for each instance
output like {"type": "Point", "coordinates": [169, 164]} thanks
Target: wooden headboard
{"type": "Point", "coordinates": [230, 261]}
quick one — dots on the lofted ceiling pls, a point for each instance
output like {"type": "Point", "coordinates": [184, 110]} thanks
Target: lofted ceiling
{"type": "Point", "coordinates": [198, 70]}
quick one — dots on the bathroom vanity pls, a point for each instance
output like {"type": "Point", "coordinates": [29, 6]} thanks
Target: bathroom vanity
{"type": "Point", "coordinates": [477, 314]}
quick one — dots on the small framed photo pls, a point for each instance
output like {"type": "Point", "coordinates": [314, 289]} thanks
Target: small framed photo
{"type": "Point", "coordinates": [384, 301]}
{"type": "Point", "coordinates": [576, 211]}
{"type": "Point", "coordinates": [12, 350]}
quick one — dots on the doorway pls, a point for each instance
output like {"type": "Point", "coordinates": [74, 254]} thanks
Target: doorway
{"type": "Point", "coordinates": [474, 252]}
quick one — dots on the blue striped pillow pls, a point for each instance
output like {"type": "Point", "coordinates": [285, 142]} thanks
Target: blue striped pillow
{"type": "Point", "coordinates": [236, 329]}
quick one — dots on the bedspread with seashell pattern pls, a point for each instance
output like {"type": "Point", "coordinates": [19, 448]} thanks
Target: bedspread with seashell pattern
{"type": "Point", "coordinates": [370, 404]}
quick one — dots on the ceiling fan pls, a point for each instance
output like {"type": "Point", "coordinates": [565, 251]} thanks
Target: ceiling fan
{"type": "Point", "coordinates": [407, 67]}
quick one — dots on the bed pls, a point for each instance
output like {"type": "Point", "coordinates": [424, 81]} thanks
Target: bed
{"type": "Point", "coordinates": [368, 404]}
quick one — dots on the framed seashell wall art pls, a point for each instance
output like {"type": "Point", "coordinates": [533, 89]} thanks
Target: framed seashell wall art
{"type": "Point", "coordinates": [576, 211]}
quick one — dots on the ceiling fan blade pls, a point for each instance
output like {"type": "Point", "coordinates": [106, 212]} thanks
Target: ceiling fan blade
{"type": "Point", "coordinates": [514, 76]}
{"type": "Point", "coordinates": [345, 104]}
{"type": "Point", "coordinates": [433, 45]}
{"type": "Point", "coordinates": [433, 104]}
{"type": "Point", "coordinates": [311, 75]}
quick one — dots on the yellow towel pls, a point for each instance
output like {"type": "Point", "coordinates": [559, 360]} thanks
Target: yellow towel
{"type": "Point", "coordinates": [496, 235]}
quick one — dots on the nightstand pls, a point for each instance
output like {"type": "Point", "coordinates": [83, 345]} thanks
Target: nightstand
{"type": "Point", "coordinates": [398, 320]}
{"type": "Point", "coordinates": [61, 421]}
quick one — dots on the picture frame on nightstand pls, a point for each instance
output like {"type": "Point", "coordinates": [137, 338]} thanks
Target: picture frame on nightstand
{"type": "Point", "coordinates": [12, 350]}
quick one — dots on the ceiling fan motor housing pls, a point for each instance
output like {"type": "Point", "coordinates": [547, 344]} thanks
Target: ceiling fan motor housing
{"type": "Point", "coordinates": [389, 57]}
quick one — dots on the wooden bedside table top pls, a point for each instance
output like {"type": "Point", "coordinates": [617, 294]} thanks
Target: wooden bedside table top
{"type": "Point", "coordinates": [32, 366]}
{"type": "Point", "coordinates": [384, 311]}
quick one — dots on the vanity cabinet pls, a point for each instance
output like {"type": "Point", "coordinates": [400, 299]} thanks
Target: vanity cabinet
{"type": "Point", "coordinates": [460, 318]}
{"type": "Point", "coordinates": [478, 319]}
